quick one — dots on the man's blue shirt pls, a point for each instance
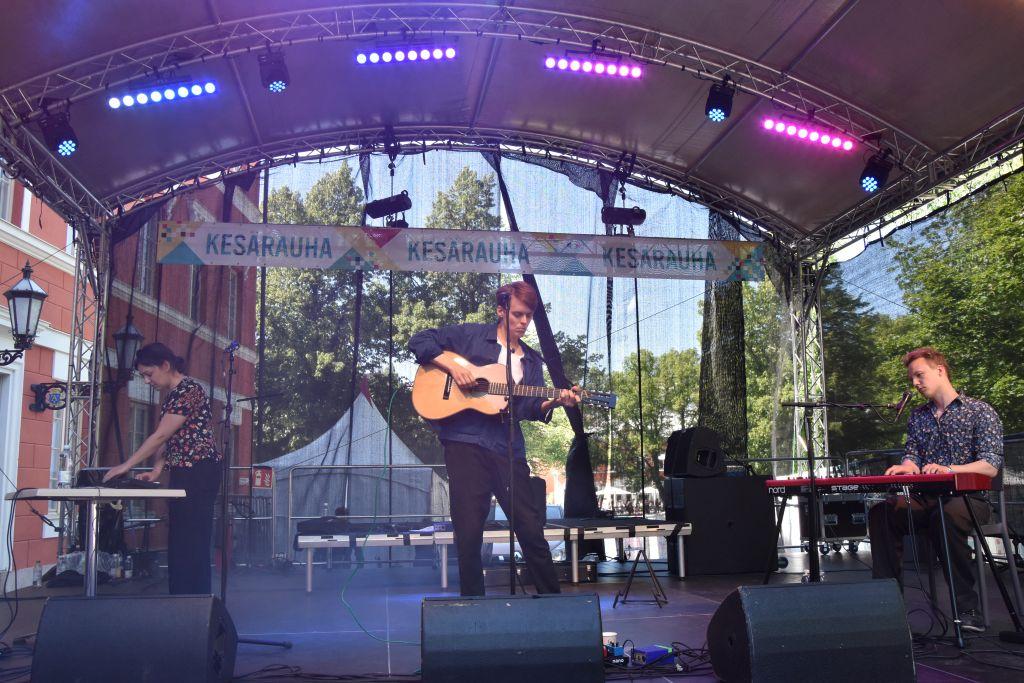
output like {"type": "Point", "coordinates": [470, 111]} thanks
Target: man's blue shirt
{"type": "Point", "coordinates": [478, 343]}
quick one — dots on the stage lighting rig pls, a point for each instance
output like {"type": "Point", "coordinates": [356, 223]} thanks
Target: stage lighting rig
{"type": "Point", "coordinates": [406, 53]}
{"type": "Point", "coordinates": [592, 64]}
{"type": "Point", "coordinates": [57, 132]}
{"type": "Point", "coordinates": [162, 91]}
{"type": "Point", "coordinates": [805, 131]}
{"type": "Point", "coordinates": [620, 215]}
{"type": "Point", "coordinates": [719, 102]}
{"type": "Point", "coordinates": [389, 206]}
{"type": "Point", "coordinates": [876, 172]}
{"type": "Point", "coordinates": [273, 71]}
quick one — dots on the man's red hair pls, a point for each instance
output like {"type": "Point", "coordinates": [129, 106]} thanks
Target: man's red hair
{"type": "Point", "coordinates": [933, 356]}
{"type": "Point", "coordinates": [520, 290]}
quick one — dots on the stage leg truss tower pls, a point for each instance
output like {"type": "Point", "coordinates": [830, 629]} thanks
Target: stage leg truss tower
{"type": "Point", "coordinates": [808, 360]}
{"type": "Point", "coordinates": [85, 362]}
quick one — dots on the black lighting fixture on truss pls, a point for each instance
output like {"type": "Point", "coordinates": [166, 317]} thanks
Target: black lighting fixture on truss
{"type": "Point", "coordinates": [25, 303]}
{"type": "Point", "coordinates": [388, 207]}
{"type": "Point", "coordinates": [273, 71]}
{"type": "Point", "coordinates": [876, 172]}
{"type": "Point", "coordinates": [718, 106]}
{"type": "Point", "coordinates": [620, 215]}
{"type": "Point", "coordinates": [57, 132]}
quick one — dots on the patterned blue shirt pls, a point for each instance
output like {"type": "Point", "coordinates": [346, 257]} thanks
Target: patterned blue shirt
{"type": "Point", "coordinates": [968, 430]}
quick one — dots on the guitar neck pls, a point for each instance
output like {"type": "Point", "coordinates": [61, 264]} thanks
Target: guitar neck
{"type": "Point", "coordinates": [501, 389]}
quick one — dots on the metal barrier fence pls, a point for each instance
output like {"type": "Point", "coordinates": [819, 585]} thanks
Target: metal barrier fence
{"type": "Point", "coordinates": [396, 493]}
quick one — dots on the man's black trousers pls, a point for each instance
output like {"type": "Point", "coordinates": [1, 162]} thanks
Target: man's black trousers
{"type": "Point", "coordinates": [474, 474]}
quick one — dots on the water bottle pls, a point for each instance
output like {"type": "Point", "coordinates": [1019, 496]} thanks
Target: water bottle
{"type": "Point", "coordinates": [37, 574]}
{"type": "Point", "coordinates": [326, 511]}
{"type": "Point", "coordinates": [115, 566]}
{"type": "Point", "coordinates": [129, 566]}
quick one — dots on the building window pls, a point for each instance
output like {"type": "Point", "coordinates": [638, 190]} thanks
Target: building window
{"type": "Point", "coordinates": [56, 448]}
{"type": "Point", "coordinates": [146, 251]}
{"type": "Point", "coordinates": [138, 428]}
{"type": "Point", "coordinates": [6, 197]}
{"type": "Point", "coordinates": [233, 304]}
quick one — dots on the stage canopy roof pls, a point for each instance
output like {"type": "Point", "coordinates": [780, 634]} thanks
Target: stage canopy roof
{"type": "Point", "coordinates": [935, 83]}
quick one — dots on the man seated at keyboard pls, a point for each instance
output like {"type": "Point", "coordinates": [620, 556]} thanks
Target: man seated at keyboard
{"type": "Point", "coordinates": [951, 433]}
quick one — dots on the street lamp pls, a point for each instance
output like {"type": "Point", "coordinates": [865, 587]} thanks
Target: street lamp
{"type": "Point", "coordinates": [127, 341]}
{"type": "Point", "coordinates": [25, 302]}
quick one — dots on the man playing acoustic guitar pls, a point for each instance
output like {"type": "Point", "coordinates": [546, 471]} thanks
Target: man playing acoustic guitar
{"type": "Point", "coordinates": [476, 444]}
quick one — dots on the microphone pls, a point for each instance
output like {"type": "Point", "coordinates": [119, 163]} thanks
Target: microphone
{"type": "Point", "coordinates": [232, 347]}
{"type": "Point", "coordinates": [504, 299]}
{"type": "Point", "coordinates": [904, 400]}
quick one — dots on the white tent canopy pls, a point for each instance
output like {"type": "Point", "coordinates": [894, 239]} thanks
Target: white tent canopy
{"type": "Point", "coordinates": [313, 481]}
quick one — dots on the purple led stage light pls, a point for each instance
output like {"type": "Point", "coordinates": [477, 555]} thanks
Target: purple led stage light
{"type": "Point", "coordinates": [592, 66]}
{"type": "Point", "coordinates": [808, 134]}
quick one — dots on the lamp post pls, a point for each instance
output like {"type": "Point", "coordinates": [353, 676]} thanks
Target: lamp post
{"type": "Point", "coordinates": [25, 302]}
{"type": "Point", "coordinates": [127, 341]}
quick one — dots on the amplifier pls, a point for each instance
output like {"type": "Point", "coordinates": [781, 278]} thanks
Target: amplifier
{"type": "Point", "coordinates": [497, 574]}
{"type": "Point", "coordinates": [840, 517]}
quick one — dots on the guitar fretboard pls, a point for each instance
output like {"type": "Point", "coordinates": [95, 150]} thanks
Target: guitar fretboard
{"type": "Point", "coordinates": [524, 390]}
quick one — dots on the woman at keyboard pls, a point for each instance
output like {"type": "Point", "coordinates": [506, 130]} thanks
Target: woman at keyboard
{"type": "Point", "coordinates": [183, 444]}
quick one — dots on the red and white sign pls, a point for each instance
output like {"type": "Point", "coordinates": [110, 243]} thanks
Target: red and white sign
{"type": "Point", "coordinates": [262, 477]}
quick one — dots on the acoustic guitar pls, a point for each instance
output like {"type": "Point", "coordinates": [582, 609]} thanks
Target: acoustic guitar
{"type": "Point", "coordinates": [435, 395]}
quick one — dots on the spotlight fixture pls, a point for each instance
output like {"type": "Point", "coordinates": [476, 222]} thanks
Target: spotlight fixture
{"type": "Point", "coordinates": [876, 172]}
{"type": "Point", "coordinates": [162, 92]}
{"type": "Point", "coordinates": [593, 65]}
{"type": "Point", "coordinates": [804, 132]}
{"type": "Point", "coordinates": [620, 215]}
{"type": "Point", "coordinates": [389, 206]}
{"type": "Point", "coordinates": [719, 103]}
{"type": "Point", "coordinates": [58, 134]}
{"type": "Point", "coordinates": [273, 71]}
{"type": "Point", "coordinates": [407, 53]}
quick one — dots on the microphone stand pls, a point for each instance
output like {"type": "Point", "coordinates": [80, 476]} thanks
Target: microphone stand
{"type": "Point", "coordinates": [228, 409]}
{"type": "Point", "coordinates": [507, 303]}
{"type": "Point", "coordinates": [813, 537]}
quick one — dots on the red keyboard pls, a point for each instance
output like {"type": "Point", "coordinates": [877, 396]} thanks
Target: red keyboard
{"type": "Point", "coordinates": [938, 484]}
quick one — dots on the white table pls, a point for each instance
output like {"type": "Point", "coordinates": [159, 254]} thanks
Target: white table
{"type": "Point", "coordinates": [92, 496]}
{"type": "Point", "coordinates": [572, 531]}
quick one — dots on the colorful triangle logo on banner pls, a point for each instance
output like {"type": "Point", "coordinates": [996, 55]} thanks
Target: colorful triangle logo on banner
{"type": "Point", "coordinates": [382, 236]}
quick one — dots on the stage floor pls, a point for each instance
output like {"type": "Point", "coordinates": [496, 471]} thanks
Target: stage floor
{"type": "Point", "coordinates": [331, 638]}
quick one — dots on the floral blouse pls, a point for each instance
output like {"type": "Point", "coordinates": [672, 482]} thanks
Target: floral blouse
{"type": "Point", "coordinates": [193, 442]}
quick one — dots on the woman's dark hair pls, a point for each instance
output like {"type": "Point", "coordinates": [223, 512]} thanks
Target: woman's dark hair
{"type": "Point", "coordinates": [156, 353]}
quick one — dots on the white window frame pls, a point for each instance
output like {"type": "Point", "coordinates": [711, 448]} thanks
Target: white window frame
{"type": "Point", "coordinates": [6, 197]}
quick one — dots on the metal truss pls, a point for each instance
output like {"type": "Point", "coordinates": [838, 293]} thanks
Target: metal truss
{"type": "Point", "coordinates": [416, 140]}
{"type": "Point", "coordinates": [808, 362]}
{"type": "Point", "coordinates": [28, 161]}
{"type": "Point", "coordinates": [88, 323]}
{"type": "Point", "coordinates": [953, 167]}
{"type": "Point", "coordinates": [22, 102]}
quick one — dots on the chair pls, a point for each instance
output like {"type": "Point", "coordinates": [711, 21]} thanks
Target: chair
{"type": "Point", "coordinates": [997, 528]}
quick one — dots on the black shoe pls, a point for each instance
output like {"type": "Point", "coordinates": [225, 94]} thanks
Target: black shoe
{"type": "Point", "coordinates": [970, 620]}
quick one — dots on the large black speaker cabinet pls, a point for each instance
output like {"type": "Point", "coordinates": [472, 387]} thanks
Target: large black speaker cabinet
{"type": "Point", "coordinates": [733, 524]}
{"type": "Point", "coordinates": [812, 632]}
{"type": "Point", "coordinates": [694, 452]}
{"type": "Point", "coordinates": [510, 639]}
{"type": "Point", "coordinates": [151, 638]}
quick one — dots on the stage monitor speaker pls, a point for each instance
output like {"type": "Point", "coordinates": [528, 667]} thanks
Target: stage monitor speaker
{"type": "Point", "coordinates": [694, 452]}
{"type": "Point", "coordinates": [817, 631]}
{"type": "Point", "coordinates": [152, 638]}
{"type": "Point", "coordinates": [510, 639]}
{"type": "Point", "coordinates": [733, 524]}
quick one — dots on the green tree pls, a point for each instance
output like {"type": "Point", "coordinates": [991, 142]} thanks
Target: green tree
{"type": "Point", "coordinates": [963, 278]}
{"type": "Point", "coordinates": [434, 299]}
{"type": "Point", "coordinates": [308, 322]}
